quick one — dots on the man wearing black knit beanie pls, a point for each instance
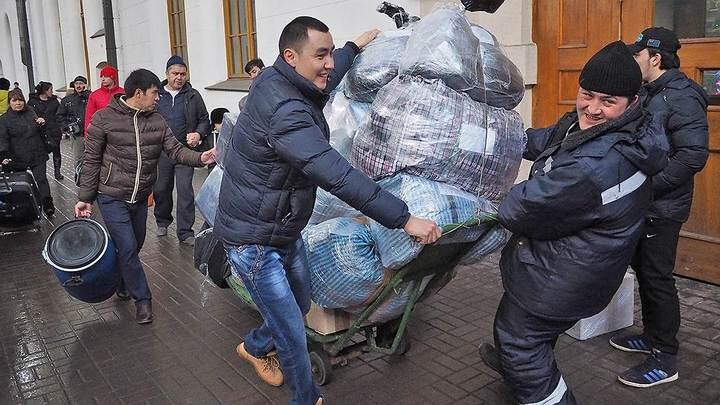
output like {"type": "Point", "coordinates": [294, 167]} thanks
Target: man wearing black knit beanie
{"type": "Point", "coordinates": [575, 223]}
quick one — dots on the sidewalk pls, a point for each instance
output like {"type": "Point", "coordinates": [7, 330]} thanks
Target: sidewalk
{"type": "Point", "coordinates": [54, 349]}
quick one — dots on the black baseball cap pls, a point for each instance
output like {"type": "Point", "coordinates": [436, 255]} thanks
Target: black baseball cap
{"type": "Point", "coordinates": [659, 38]}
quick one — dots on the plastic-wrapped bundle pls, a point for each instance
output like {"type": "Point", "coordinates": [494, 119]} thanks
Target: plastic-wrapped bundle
{"type": "Point", "coordinates": [443, 46]}
{"type": "Point", "coordinates": [501, 83]}
{"type": "Point", "coordinates": [345, 269]}
{"type": "Point", "coordinates": [376, 65]}
{"type": "Point", "coordinates": [208, 197]}
{"type": "Point", "coordinates": [327, 206]}
{"type": "Point", "coordinates": [344, 117]}
{"type": "Point", "coordinates": [494, 239]}
{"type": "Point", "coordinates": [424, 128]}
{"type": "Point", "coordinates": [225, 136]}
{"type": "Point", "coordinates": [484, 36]}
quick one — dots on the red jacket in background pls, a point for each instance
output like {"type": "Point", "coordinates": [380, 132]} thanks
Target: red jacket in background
{"type": "Point", "coordinates": [98, 100]}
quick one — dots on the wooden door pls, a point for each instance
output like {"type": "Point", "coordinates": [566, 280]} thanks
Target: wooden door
{"type": "Point", "coordinates": [569, 32]}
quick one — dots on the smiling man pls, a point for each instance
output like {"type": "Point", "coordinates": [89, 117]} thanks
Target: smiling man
{"type": "Point", "coordinates": [575, 223]}
{"type": "Point", "coordinates": [279, 155]}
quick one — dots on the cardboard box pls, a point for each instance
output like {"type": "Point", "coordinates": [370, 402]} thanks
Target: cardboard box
{"type": "Point", "coordinates": [327, 321]}
{"type": "Point", "coordinates": [617, 315]}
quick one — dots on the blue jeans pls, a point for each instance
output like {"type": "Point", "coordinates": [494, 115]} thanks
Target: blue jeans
{"type": "Point", "coordinates": [278, 280]}
{"type": "Point", "coordinates": [126, 224]}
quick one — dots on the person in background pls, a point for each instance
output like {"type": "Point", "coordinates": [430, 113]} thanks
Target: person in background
{"type": "Point", "coordinates": [682, 104]}
{"type": "Point", "coordinates": [100, 98]}
{"type": "Point", "coordinates": [216, 120]}
{"type": "Point", "coordinates": [16, 85]}
{"type": "Point", "coordinates": [122, 149]}
{"type": "Point", "coordinates": [184, 110]}
{"type": "Point", "coordinates": [253, 69]}
{"type": "Point", "coordinates": [70, 89]}
{"type": "Point", "coordinates": [72, 114]}
{"type": "Point", "coordinates": [575, 223]}
{"type": "Point", "coordinates": [4, 101]}
{"type": "Point", "coordinates": [46, 106]}
{"type": "Point", "coordinates": [22, 145]}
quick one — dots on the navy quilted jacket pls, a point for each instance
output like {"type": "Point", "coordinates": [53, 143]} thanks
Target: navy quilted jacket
{"type": "Point", "coordinates": [576, 221]}
{"type": "Point", "coordinates": [280, 153]}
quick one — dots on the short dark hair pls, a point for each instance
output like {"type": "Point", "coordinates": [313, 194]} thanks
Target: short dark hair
{"type": "Point", "coordinates": [42, 87]}
{"type": "Point", "coordinates": [216, 116]}
{"type": "Point", "coordinates": [4, 84]}
{"type": "Point", "coordinates": [667, 60]}
{"type": "Point", "coordinates": [141, 79]}
{"type": "Point", "coordinates": [257, 62]}
{"type": "Point", "coordinates": [296, 32]}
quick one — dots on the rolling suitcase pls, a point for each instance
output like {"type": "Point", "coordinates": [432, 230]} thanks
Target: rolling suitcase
{"type": "Point", "coordinates": [20, 204]}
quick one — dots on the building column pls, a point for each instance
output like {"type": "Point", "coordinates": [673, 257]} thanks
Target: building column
{"type": "Point", "coordinates": [72, 39]}
{"type": "Point", "coordinates": [54, 44]}
{"type": "Point", "coordinates": [38, 43]}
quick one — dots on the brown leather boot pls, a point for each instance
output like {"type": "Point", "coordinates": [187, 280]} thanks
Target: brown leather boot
{"type": "Point", "coordinates": [267, 368]}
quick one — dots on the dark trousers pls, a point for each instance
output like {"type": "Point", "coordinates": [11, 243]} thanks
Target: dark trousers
{"type": "Point", "coordinates": [653, 262]}
{"type": "Point", "coordinates": [126, 224]}
{"type": "Point", "coordinates": [57, 158]}
{"type": "Point", "coordinates": [525, 344]}
{"type": "Point", "coordinates": [182, 175]}
{"type": "Point", "coordinates": [39, 172]}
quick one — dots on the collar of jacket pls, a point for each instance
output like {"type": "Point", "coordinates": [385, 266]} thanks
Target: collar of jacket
{"type": "Point", "coordinates": [306, 87]}
{"type": "Point", "coordinates": [119, 104]}
{"type": "Point", "coordinates": [665, 80]}
{"type": "Point", "coordinates": [628, 122]}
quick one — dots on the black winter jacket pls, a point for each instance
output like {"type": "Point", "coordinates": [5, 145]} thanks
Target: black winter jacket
{"type": "Point", "coordinates": [72, 109]}
{"type": "Point", "coordinates": [196, 114]}
{"type": "Point", "coordinates": [576, 221]}
{"type": "Point", "coordinates": [279, 153]}
{"type": "Point", "coordinates": [682, 105]}
{"type": "Point", "coordinates": [21, 139]}
{"type": "Point", "coordinates": [48, 110]}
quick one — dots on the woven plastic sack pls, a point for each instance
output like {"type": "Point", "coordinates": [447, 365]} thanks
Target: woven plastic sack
{"type": "Point", "coordinates": [494, 239]}
{"type": "Point", "coordinates": [208, 198]}
{"type": "Point", "coordinates": [344, 117]}
{"type": "Point", "coordinates": [501, 83]}
{"type": "Point", "coordinates": [225, 136]}
{"type": "Point", "coordinates": [345, 268]}
{"type": "Point", "coordinates": [376, 65]}
{"type": "Point", "coordinates": [443, 46]}
{"type": "Point", "coordinates": [424, 128]}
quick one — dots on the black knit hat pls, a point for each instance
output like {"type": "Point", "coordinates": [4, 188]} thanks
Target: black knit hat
{"type": "Point", "coordinates": [613, 71]}
{"type": "Point", "coordinates": [80, 79]}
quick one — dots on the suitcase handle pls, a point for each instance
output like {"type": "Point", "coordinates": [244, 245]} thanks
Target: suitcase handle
{"type": "Point", "coordinates": [7, 189]}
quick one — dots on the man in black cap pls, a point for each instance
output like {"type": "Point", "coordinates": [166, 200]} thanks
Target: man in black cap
{"type": "Point", "coordinates": [681, 103]}
{"type": "Point", "coordinates": [72, 115]}
{"type": "Point", "coordinates": [184, 110]}
{"type": "Point", "coordinates": [575, 223]}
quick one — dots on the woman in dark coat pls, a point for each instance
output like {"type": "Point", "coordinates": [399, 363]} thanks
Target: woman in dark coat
{"type": "Point", "coordinates": [46, 106]}
{"type": "Point", "coordinates": [22, 145]}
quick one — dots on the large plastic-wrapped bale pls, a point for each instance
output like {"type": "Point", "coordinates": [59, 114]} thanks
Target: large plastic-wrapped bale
{"type": "Point", "coordinates": [442, 46]}
{"type": "Point", "coordinates": [439, 202]}
{"type": "Point", "coordinates": [344, 117]}
{"type": "Point", "coordinates": [208, 196]}
{"type": "Point", "coordinates": [376, 65]}
{"type": "Point", "coordinates": [424, 128]}
{"type": "Point", "coordinates": [327, 206]}
{"type": "Point", "coordinates": [345, 268]}
{"type": "Point", "coordinates": [492, 240]}
{"type": "Point", "coordinates": [224, 137]}
{"type": "Point", "coordinates": [484, 36]}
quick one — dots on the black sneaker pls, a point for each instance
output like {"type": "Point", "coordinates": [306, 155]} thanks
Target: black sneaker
{"type": "Point", "coordinates": [658, 368]}
{"type": "Point", "coordinates": [632, 343]}
{"type": "Point", "coordinates": [491, 358]}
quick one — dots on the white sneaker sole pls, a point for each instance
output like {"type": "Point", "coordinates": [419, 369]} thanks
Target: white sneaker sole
{"type": "Point", "coordinates": [627, 349]}
{"type": "Point", "coordinates": [663, 381]}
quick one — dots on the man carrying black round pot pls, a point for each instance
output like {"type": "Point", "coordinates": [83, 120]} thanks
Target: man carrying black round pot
{"type": "Point", "coordinates": [278, 156]}
{"type": "Point", "coordinates": [575, 223]}
{"type": "Point", "coordinates": [682, 104]}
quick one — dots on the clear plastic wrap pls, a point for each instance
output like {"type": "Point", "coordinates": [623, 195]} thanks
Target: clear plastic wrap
{"type": "Point", "coordinates": [208, 197]}
{"type": "Point", "coordinates": [485, 36]}
{"type": "Point", "coordinates": [376, 65]}
{"type": "Point", "coordinates": [442, 46]}
{"type": "Point", "coordinates": [424, 128]}
{"type": "Point", "coordinates": [224, 137]}
{"type": "Point", "coordinates": [344, 117]}
{"type": "Point", "coordinates": [501, 83]}
{"type": "Point", "coordinates": [345, 268]}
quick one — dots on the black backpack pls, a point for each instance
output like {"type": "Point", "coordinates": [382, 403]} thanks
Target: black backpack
{"type": "Point", "coordinates": [210, 258]}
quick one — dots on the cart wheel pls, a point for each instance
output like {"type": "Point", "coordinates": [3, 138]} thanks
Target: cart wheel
{"type": "Point", "coordinates": [321, 367]}
{"type": "Point", "coordinates": [403, 346]}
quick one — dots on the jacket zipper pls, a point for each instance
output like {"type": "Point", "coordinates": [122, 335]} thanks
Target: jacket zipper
{"type": "Point", "coordinates": [139, 158]}
{"type": "Point", "coordinates": [108, 175]}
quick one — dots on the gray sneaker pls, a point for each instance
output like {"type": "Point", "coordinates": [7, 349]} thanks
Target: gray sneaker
{"type": "Point", "coordinates": [190, 241]}
{"type": "Point", "coordinates": [162, 231]}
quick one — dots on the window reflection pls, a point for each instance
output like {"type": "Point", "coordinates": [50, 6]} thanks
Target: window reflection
{"type": "Point", "coordinates": [689, 18]}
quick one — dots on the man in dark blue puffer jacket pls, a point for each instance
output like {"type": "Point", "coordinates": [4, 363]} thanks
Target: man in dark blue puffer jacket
{"type": "Point", "coordinates": [278, 155]}
{"type": "Point", "coordinates": [575, 223]}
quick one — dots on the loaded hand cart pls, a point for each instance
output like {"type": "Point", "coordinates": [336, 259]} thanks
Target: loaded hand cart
{"type": "Point", "coordinates": [436, 262]}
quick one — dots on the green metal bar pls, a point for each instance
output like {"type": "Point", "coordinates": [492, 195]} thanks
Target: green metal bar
{"type": "Point", "coordinates": [372, 344]}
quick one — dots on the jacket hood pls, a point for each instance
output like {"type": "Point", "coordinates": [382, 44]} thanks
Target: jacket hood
{"type": "Point", "coordinates": [306, 87]}
{"type": "Point", "coordinates": [638, 136]}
